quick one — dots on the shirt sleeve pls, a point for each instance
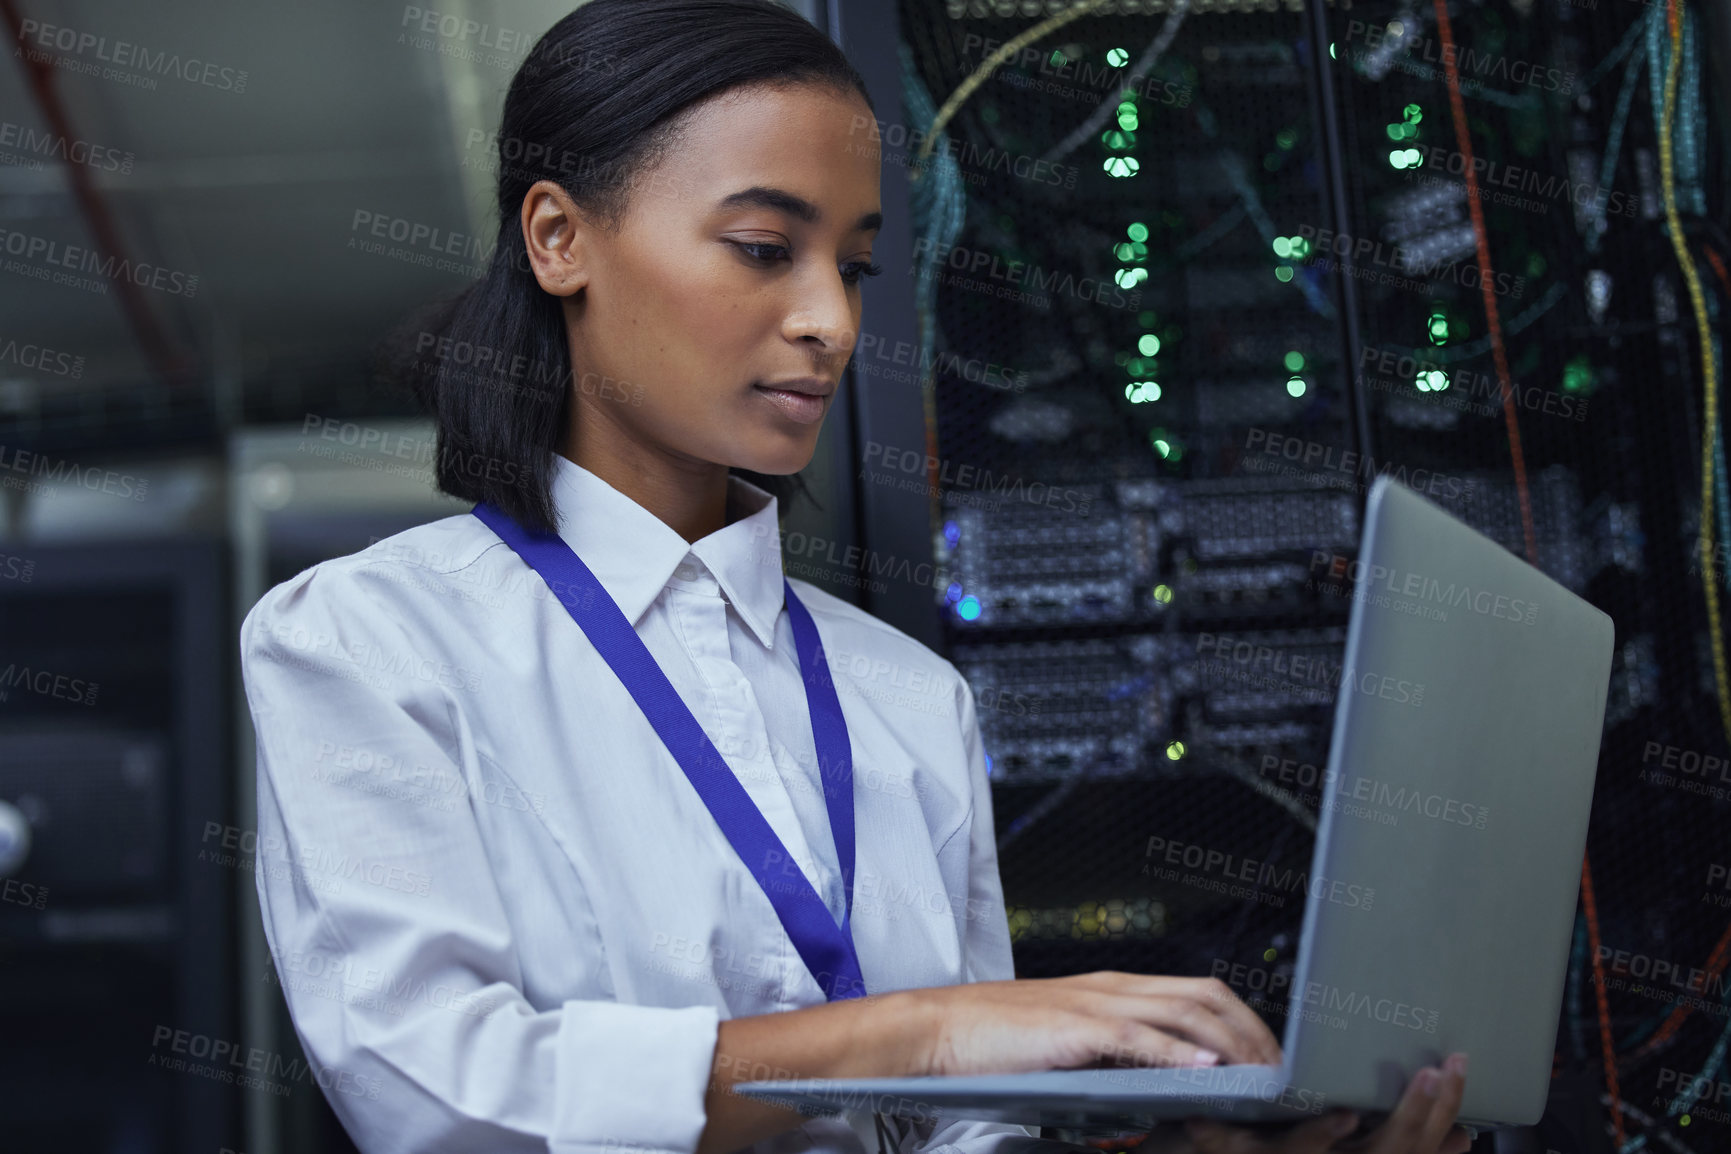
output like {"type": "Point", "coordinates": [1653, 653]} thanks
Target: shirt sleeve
{"type": "Point", "coordinates": [985, 952]}
{"type": "Point", "coordinates": [385, 920]}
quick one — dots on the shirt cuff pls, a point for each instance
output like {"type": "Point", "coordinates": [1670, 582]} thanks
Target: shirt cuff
{"type": "Point", "coordinates": [632, 1078]}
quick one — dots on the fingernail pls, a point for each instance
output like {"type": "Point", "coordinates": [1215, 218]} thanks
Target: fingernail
{"type": "Point", "coordinates": [1457, 1063]}
{"type": "Point", "coordinates": [1427, 1082]}
{"type": "Point", "coordinates": [1343, 1124]}
{"type": "Point", "coordinates": [1206, 1057]}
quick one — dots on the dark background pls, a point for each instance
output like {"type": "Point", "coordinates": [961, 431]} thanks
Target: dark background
{"type": "Point", "coordinates": [168, 453]}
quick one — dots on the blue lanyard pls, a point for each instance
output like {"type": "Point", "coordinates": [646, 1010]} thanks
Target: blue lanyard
{"type": "Point", "coordinates": [826, 948]}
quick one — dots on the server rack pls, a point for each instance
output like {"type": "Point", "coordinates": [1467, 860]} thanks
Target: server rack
{"type": "Point", "coordinates": [1227, 265]}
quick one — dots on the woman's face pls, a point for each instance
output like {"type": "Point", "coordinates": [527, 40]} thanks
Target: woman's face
{"type": "Point", "coordinates": [734, 268]}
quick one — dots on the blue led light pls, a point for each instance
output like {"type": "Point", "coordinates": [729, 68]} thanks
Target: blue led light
{"type": "Point", "coordinates": [954, 592]}
{"type": "Point", "coordinates": [968, 607]}
{"type": "Point", "coordinates": [952, 532]}
{"type": "Point", "coordinates": [988, 765]}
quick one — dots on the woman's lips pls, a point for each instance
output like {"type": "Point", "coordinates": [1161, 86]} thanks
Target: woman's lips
{"type": "Point", "coordinates": [806, 408]}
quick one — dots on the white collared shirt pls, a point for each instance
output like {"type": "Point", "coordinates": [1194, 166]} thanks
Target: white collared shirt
{"type": "Point", "coordinates": [502, 917]}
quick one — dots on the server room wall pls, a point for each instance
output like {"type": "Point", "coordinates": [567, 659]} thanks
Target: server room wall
{"type": "Point", "coordinates": [1179, 304]}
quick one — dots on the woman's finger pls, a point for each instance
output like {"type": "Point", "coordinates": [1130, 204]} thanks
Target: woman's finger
{"type": "Point", "coordinates": [1257, 1043]}
{"type": "Point", "coordinates": [1124, 1041]}
{"type": "Point", "coordinates": [1179, 1016]}
{"type": "Point", "coordinates": [1405, 1131]}
{"type": "Point", "coordinates": [1450, 1088]}
{"type": "Point", "coordinates": [1253, 1042]}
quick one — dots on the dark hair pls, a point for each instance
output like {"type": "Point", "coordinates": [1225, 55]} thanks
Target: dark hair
{"type": "Point", "coordinates": [595, 105]}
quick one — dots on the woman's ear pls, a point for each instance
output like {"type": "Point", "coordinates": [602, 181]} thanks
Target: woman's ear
{"type": "Point", "coordinates": [556, 236]}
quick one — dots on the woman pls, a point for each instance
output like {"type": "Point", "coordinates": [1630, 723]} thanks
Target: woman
{"type": "Point", "coordinates": [509, 915]}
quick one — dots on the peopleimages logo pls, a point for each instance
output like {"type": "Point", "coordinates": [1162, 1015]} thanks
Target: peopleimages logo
{"type": "Point", "coordinates": [1297, 672]}
{"type": "Point", "coordinates": [1362, 248]}
{"type": "Point", "coordinates": [1392, 799]}
{"type": "Point", "coordinates": [1480, 65]}
{"type": "Point", "coordinates": [880, 457]}
{"type": "Point", "coordinates": [1018, 280]}
{"type": "Point", "coordinates": [1400, 583]}
{"type": "Point", "coordinates": [1529, 181]}
{"type": "Point", "coordinates": [1260, 873]}
{"type": "Point", "coordinates": [1390, 1011]}
{"type": "Point", "coordinates": [122, 54]}
{"type": "Point", "coordinates": [1316, 454]}
{"type": "Point", "coordinates": [41, 143]}
{"type": "Point", "coordinates": [967, 154]}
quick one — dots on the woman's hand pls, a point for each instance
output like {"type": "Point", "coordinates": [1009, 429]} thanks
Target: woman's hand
{"type": "Point", "coordinates": [1102, 1018]}
{"type": "Point", "coordinates": [1423, 1122]}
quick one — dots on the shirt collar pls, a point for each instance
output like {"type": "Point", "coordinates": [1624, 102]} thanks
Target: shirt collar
{"type": "Point", "coordinates": [633, 553]}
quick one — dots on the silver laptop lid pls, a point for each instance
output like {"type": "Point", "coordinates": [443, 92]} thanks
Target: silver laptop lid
{"type": "Point", "coordinates": [1454, 819]}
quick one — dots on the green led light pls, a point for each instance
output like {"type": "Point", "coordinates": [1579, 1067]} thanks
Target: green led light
{"type": "Point", "coordinates": [1123, 251]}
{"type": "Point", "coordinates": [1175, 750]}
{"type": "Point", "coordinates": [1294, 361]}
{"type": "Point", "coordinates": [1295, 386]}
{"type": "Point", "coordinates": [1129, 278]}
{"type": "Point", "coordinates": [1286, 137]}
{"type": "Point", "coordinates": [1148, 344]}
{"type": "Point", "coordinates": [1121, 166]}
{"type": "Point", "coordinates": [1127, 106]}
{"type": "Point", "coordinates": [1578, 375]}
{"type": "Point", "coordinates": [1161, 446]}
{"type": "Point", "coordinates": [1117, 138]}
{"type": "Point", "coordinates": [1437, 327]}
{"type": "Point", "coordinates": [1282, 246]}
{"type": "Point", "coordinates": [1431, 381]}
{"type": "Point", "coordinates": [1283, 273]}
{"type": "Point", "coordinates": [1117, 57]}
{"type": "Point", "coordinates": [1163, 594]}
{"type": "Point", "coordinates": [1300, 247]}
{"type": "Point", "coordinates": [1129, 120]}
{"type": "Point", "coordinates": [1142, 392]}
{"type": "Point", "coordinates": [1138, 231]}
{"type": "Point", "coordinates": [1406, 158]}
{"type": "Point", "coordinates": [1331, 54]}
{"type": "Point", "coordinates": [1413, 113]}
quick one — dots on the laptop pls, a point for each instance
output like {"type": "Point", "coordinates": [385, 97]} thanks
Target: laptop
{"type": "Point", "coordinates": [1467, 723]}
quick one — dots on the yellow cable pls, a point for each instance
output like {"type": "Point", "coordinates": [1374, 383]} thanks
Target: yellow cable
{"type": "Point", "coordinates": [1710, 404]}
{"type": "Point", "coordinates": [979, 75]}
{"type": "Point", "coordinates": [956, 99]}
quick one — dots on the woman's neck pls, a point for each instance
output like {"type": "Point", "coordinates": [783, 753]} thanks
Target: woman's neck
{"type": "Point", "coordinates": [690, 497]}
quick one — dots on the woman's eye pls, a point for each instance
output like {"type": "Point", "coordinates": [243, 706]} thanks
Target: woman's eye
{"type": "Point", "coordinates": [766, 253]}
{"type": "Point", "coordinates": [854, 270]}
{"type": "Point", "coordinates": [761, 251]}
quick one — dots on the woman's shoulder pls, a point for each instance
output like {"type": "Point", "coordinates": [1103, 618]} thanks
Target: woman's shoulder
{"type": "Point", "coordinates": [864, 647]}
{"type": "Point", "coordinates": [366, 589]}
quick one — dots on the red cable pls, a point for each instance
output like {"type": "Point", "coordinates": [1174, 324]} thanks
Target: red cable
{"type": "Point", "coordinates": [1463, 140]}
{"type": "Point", "coordinates": [165, 356]}
{"type": "Point", "coordinates": [1718, 267]}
